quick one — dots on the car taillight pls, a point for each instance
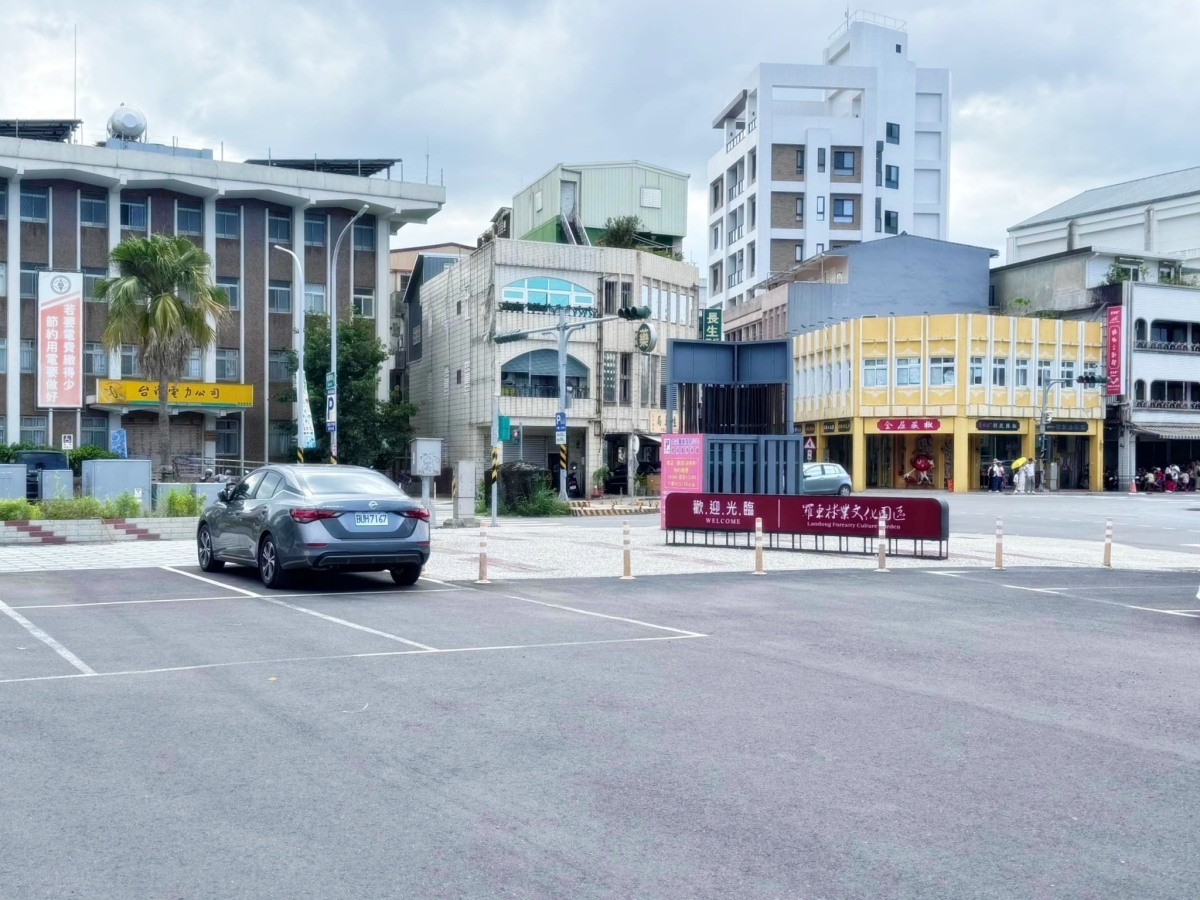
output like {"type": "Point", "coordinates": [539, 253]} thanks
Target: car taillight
{"type": "Point", "coordinates": [419, 513]}
{"type": "Point", "coordinates": [304, 516]}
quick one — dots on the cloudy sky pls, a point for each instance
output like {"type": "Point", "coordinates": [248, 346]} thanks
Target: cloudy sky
{"type": "Point", "coordinates": [1048, 99]}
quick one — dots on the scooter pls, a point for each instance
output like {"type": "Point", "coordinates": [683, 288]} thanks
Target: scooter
{"type": "Point", "coordinates": [573, 488]}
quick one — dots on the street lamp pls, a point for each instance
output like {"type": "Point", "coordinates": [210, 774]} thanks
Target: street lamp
{"type": "Point", "coordinates": [301, 398]}
{"type": "Point", "coordinates": [333, 328]}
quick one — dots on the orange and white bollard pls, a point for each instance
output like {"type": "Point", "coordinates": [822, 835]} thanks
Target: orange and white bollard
{"type": "Point", "coordinates": [882, 542]}
{"type": "Point", "coordinates": [999, 543]}
{"type": "Point", "coordinates": [483, 579]}
{"type": "Point", "coordinates": [626, 564]}
{"type": "Point", "coordinates": [1133, 485]}
{"type": "Point", "coordinates": [1108, 544]}
{"type": "Point", "coordinates": [758, 560]}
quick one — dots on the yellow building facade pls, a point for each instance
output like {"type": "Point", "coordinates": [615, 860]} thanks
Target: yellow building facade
{"type": "Point", "coordinates": [929, 401]}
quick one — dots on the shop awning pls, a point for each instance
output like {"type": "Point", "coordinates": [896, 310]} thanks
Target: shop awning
{"type": "Point", "coordinates": [1170, 432]}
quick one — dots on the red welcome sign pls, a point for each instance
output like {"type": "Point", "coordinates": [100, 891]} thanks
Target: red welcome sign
{"type": "Point", "coordinates": [909, 424]}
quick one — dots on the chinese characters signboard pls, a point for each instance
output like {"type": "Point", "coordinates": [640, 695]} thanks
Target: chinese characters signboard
{"type": "Point", "coordinates": [710, 324]}
{"type": "Point", "coordinates": [60, 362]}
{"type": "Point", "coordinates": [924, 518]}
{"type": "Point", "coordinates": [682, 459]}
{"type": "Point", "coordinates": [1112, 350]}
{"type": "Point", "coordinates": [187, 393]}
{"type": "Point", "coordinates": [1067, 425]}
{"type": "Point", "coordinates": [909, 424]}
{"type": "Point", "coordinates": [997, 425]}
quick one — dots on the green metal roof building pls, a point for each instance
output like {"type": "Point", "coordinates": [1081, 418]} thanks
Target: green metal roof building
{"type": "Point", "coordinates": [571, 204]}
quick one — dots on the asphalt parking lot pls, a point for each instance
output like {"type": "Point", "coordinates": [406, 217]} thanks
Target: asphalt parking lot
{"type": "Point", "coordinates": [165, 733]}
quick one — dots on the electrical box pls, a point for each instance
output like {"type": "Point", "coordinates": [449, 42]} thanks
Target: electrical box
{"type": "Point", "coordinates": [12, 482]}
{"type": "Point", "coordinates": [105, 479]}
{"type": "Point", "coordinates": [56, 484]}
{"type": "Point", "coordinates": [467, 480]}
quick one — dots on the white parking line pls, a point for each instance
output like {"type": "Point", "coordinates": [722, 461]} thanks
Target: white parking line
{"type": "Point", "coordinates": [585, 612]}
{"type": "Point", "coordinates": [1169, 612]}
{"type": "Point", "coordinates": [198, 599]}
{"type": "Point", "coordinates": [386, 653]}
{"type": "Point", "coordinates": [223, 586]}
{"type": "Point", "coordinates": [46, 639]}
{"type": "Point", "coordinates": [354, 625]}
{"type": "Point", "coordinates": [1017, 587]}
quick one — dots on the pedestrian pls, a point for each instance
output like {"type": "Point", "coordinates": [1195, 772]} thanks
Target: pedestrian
{"type": "Point", "coordinates": [1030, 477]}
{"type": "Point", "coordinates": [997, 477]}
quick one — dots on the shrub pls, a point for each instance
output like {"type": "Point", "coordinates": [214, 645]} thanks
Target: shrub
{"type": "Point", "coordinates": [542, 501]}
{"type": "Point", "coordinates": [79, 454]}
{"type": "Point", "coordinates": [18, 510]}
{"type": "Point", "coordinates": [71, 508]}
{"type": "Point", "coordinates": [123, 506]}
{"type": "Point", "coordinates": [183, 504]}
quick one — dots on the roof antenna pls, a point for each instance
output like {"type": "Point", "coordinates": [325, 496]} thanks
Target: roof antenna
{"type": "Point", "coordinates": [75, 74]}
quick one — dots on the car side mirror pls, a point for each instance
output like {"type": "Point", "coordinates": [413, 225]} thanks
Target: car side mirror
{"type": "Point", "coordinates": [223, 495]}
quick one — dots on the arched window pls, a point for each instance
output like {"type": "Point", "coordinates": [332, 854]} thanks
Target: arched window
{"type": "Point", "coordinates": [535, 374]}
{"type": "Point", "coordinates": [1139, 390]}
{"type": "Point", "coordinates": [1139, 330]}
{"type": "Point", "coordinates": [547, 293]}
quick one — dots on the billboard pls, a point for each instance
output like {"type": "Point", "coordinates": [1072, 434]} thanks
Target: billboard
{"type": "Point", "coordinates": [1113, 347]}
{"type": "Point", "coordinates": [59, 350]}
{"type": "Point", "coordinates": [682, 459]}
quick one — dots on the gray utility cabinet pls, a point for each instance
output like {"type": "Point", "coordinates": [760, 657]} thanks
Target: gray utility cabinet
{"type": "Point", "coordinates": [105, 479]}
{"type": "Point", "coordinates": [163, 489]}
{"type": "Point", "coordinates": [56, 484]}
{"type": "Point", "coordinates": [12, 482]}
{"type": "Point", "coordinates": [208, 491]}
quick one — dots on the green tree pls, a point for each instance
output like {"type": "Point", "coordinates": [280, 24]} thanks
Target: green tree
{"type": "Point", "coordinates": [163, 303]}
{"type": "Point", "coordinates": [621, 231]}
{"type": "Point", "coordinates": [370, 432]}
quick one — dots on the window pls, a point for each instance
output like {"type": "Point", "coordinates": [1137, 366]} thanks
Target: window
{"type": "Point", "coordinates": [29, 280]}
{"type": "Point", "coordinates": [279, 228]}
{"type": "Point", "coordinates": [893, 133]}
{"type": "Point", "coordinates": [799, 209]}
{"type": "Point", "coordinates": [716, 236]}
{"type": "Point", "coordinates": [999, 372]}
{"type": "Point", "coordinates": [976, 371]}
{"type": "Point", "coordinates": [363, 302]}
{"type": "Point", "coordinates": [133, 215]}
{"type": "Point", "coordinates": [821, 208]}
{"type": "Point", "coordinates": [800, 161]}
{"type": "Point", "coordinates": [897, 48]}
{"type": "Point", "coordinates": [314, 231]}
{"type": "Point", "coordinates": [193, 370]}
{"type": "Point", "coordinates": [3, 200]}
{"type": "Point", "coordinates": [892, 177]}
{"type": "Point", "coordinates": [800, 251]}
{"type": "Point", "coordinates": [35, 204]}
{"type": "Point", "coordinates": [716, 194]}
{"type": "Point", "coordinates": [95, 360]}
{"type": "Point", "coordinates": [3, 357]}
{"type": "Point", "coordinates": [991, 295]}
{"type": "Point", "coordinates": [93, 210]}
{"type": "Point", "coordinates": [1092, 369]}
{"type": "Point", "coordinates": [1021, 373]}
{"type": "Point", "coordinates": [843, 210]}
{"type": "Point", "coordinates": [941, 371]}
{"type": "Point", "coordinates": [314, 299]}
{"type": "Point", "coordinates": [1043, 370]}
{"type": "Point", "coordinates": [458, 376]}
{"type": "Point", "coordinates": [878, 215]}
{"type": "Point", "coordinates": [1139, 390]}
{"type": "Point", "coordinates": [279, 296]}
{"type": "Point", "coordinates": [1139, 330]}
{"type": "Point", "coordinates": [28, 355]}
{"type": "Point", "coordinates": [610, 377]}
{"type": "Point", "coordinates": [228, 368]}
{"type": "Point", "coordinates": [626, 382]}
{"type": "Point", "coordinates": [232, 289]}
{"type": "Point", "coordinates": [891, 222]}
{"type": "Point", "coordinates": [843, 162]}
{"type": "Point", "coordinates": [129, 361]}
{"type": "Point", "coordinates": [875, 373]}
{"type": "Point", "coordinates": [227, 437]}
{"type": "Point", "coordinates": [33, 430]}
{"type": "Point", "coordinates": [189, 217]}
{"type": "Point", "coordinates": [820, 249]}
{"type": "Point", "coordinates": [610, 298]}
{"type": "Point", "coordinates": [90, 277]}
{"type": "Point", "coordinates": [277, 366]}
{"type": "Point", "coordinates": [364, 235]}
{"type": "Point", "coordinates": [626, 294]}
{"type": "Point", "coordinates": [908, 371]}
{"type": "Point", "coordinates": [282, 440]}
{"type": "Point", "coordinates": [229, 223]}
{"type": "Point", "coordinates": [820, 159]}
{"type": "Point", "coordinates": [94, 431]}
{"type": "Point", "coordinates": [3, 279]}
{"type": "Point", "coordinates": [1066, 369]}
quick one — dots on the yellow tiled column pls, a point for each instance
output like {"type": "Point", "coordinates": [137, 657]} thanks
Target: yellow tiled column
{"type": "Point", "coordinates": [1096, 459]}
{"type": "Point", "coordinates": [962, 457]}
{"type": "Point", "coordinates": [858, 455]}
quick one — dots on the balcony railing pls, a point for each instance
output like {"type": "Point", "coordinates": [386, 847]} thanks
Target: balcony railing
{"type": "Point", "coordinates": [735, 190]}
{"type": "Point", "coordinates": [735, 140]}
{"type": "Point", "coordinates": [734, 234]}
{"type": "Point", "coordinates": [1166, 404]}
{"type": "Point", "coordinates": [540, 390]}
{"type": "Point", "coordinates": [751, 125]}
{"type": "Point", "coordinates": [1167, 346]}
{"type": "Point", "coordinates": [735, 278]}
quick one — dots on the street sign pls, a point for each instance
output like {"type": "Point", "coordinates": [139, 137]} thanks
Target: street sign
{"type": "Point", "coordinates": [504, 428]}
{"type": "Point", "coordinates": [329, 381]}
{"type": "Point", "coordinates": [645, 338]}
{"type": "Point", "coordinates": [331, 411]}
{"type": "Point", "coordinates": [560, 421]}
{"type": "Point", "coordinates": [635, 444]}
{"type": "Point", "coordinates": [710, 324]}
{"type": "Point", "coordinates": [810, 444]}
{"type": "Point", "coordinates": [560, 437]}
{"type": "Point", "coordinates": [68, 442]}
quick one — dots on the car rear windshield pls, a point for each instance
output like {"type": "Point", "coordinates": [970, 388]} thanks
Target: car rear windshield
{"type": "Point", "coordinates": [346, 481]}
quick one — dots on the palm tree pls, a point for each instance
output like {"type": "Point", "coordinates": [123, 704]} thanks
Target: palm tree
{"type": "Point", "coordinates": [162, 302]}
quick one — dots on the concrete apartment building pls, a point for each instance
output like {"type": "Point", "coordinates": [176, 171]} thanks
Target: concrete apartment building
{"type": "Point", "coordinates": [1127, 255]}
{"type": "Point", "coordinates": [818, 157]}
{"type": "Point", "coordinates": [64, 206]}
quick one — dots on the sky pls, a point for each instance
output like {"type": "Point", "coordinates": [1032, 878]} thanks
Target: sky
{"type": "Point", "coordinates": [1048, 99]}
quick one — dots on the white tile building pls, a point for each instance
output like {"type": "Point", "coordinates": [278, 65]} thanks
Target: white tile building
{"type": "Point", "coordinates": [815, 157]}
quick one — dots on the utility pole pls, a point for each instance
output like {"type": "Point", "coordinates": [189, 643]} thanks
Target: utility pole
{"type": "Point", "coordinates": [1043, 445]}
{"type": "Point", "coordinates": [331, 388]}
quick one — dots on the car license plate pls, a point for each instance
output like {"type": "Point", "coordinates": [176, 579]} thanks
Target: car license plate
{"type": "Point", "coordinates": [373, 520]}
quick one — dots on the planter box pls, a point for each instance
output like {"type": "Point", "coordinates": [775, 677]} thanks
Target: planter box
{"type": "Point", "coordinates": [92, 531]}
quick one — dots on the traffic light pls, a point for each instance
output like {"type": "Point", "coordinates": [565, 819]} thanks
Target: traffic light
{"type": "Point", "coordinates": [1091, 379]}
{"type": "Point", "coordinates": [634, 312]}
{"type": "Point", "coordinates": [508, 337]}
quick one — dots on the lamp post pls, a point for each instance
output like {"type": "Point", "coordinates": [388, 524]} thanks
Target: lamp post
{"type": "Point", "coordinates": [333, 328]}
{"type": "Point", "coordinates": [298, 279]}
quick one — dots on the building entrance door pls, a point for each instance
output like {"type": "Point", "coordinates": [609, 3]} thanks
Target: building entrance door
{"type": "Point", "coordinates": [1004, 447]}
{"type": "Point", "coordinates": [879, 460]}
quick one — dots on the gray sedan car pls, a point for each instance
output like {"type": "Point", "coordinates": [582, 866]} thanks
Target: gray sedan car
{"type": "Point", "coordinates": [344, 518]}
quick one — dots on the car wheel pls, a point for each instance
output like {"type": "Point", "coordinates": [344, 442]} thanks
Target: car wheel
{"type": "Point", "coordinates": [205, 553]}
{"type": "Point", "coordinates": [406, 575]}
{"type": "Point", "coordinates": [844, 490]}
{"type": "Point", "coordinates": [270, 569]}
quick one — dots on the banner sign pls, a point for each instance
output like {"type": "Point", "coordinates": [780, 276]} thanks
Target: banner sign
{"type": "Point", "coordinates": [917, 518]}
{"type": "Point", "coordinates": [1113, 350]}
{"type": "Point", "coordinates": [997, 425]}
{"type": "Point", "coordinates": [710, 324]}
{"type": "Point", "coordinates": [909, 424]}
{"type": "Point", "coordinates": [1067, 425]}
{"type": "Point", "coordinates": [60, 362]}
{"type": "Point", "coordinates": [308, 431]}
{"type": "Point", "coordinates": [682, 460]}
{"type": "Point", "coordinates": [129, 392]}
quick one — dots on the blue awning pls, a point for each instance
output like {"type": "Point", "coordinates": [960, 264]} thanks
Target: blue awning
{"type": "Point", "coordinates": [542, 362]}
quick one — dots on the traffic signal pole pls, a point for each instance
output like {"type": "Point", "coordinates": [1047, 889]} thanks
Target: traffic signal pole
{"type": "Point", "coordinates": [1043, 447]}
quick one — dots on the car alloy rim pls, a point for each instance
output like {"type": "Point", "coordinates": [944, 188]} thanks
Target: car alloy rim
{"type": "Point", "coordinates": [268, 560]}
{"type": "Point", "coordinates": [205, 548]}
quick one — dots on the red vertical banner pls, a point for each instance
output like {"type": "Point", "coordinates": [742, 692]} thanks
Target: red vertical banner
{"type": "Point", "coordinates": [59, 321]}
{"type": "Point", "coordinates": [1114, 351]}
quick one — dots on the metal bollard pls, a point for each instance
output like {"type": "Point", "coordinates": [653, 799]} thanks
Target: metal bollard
{"type": "Point", "coordinates": [999, 543]}
{"type": "Point", "coordinates": [483, 579]}
{"type": "Point", "coordinates": [882, 541]}
{"type": "Point", "coordinates": [1108, 544]}
{"type": "Point", "coordinates": [758, 561]}
{"type": "Point", "coordinates": [626, 569]}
